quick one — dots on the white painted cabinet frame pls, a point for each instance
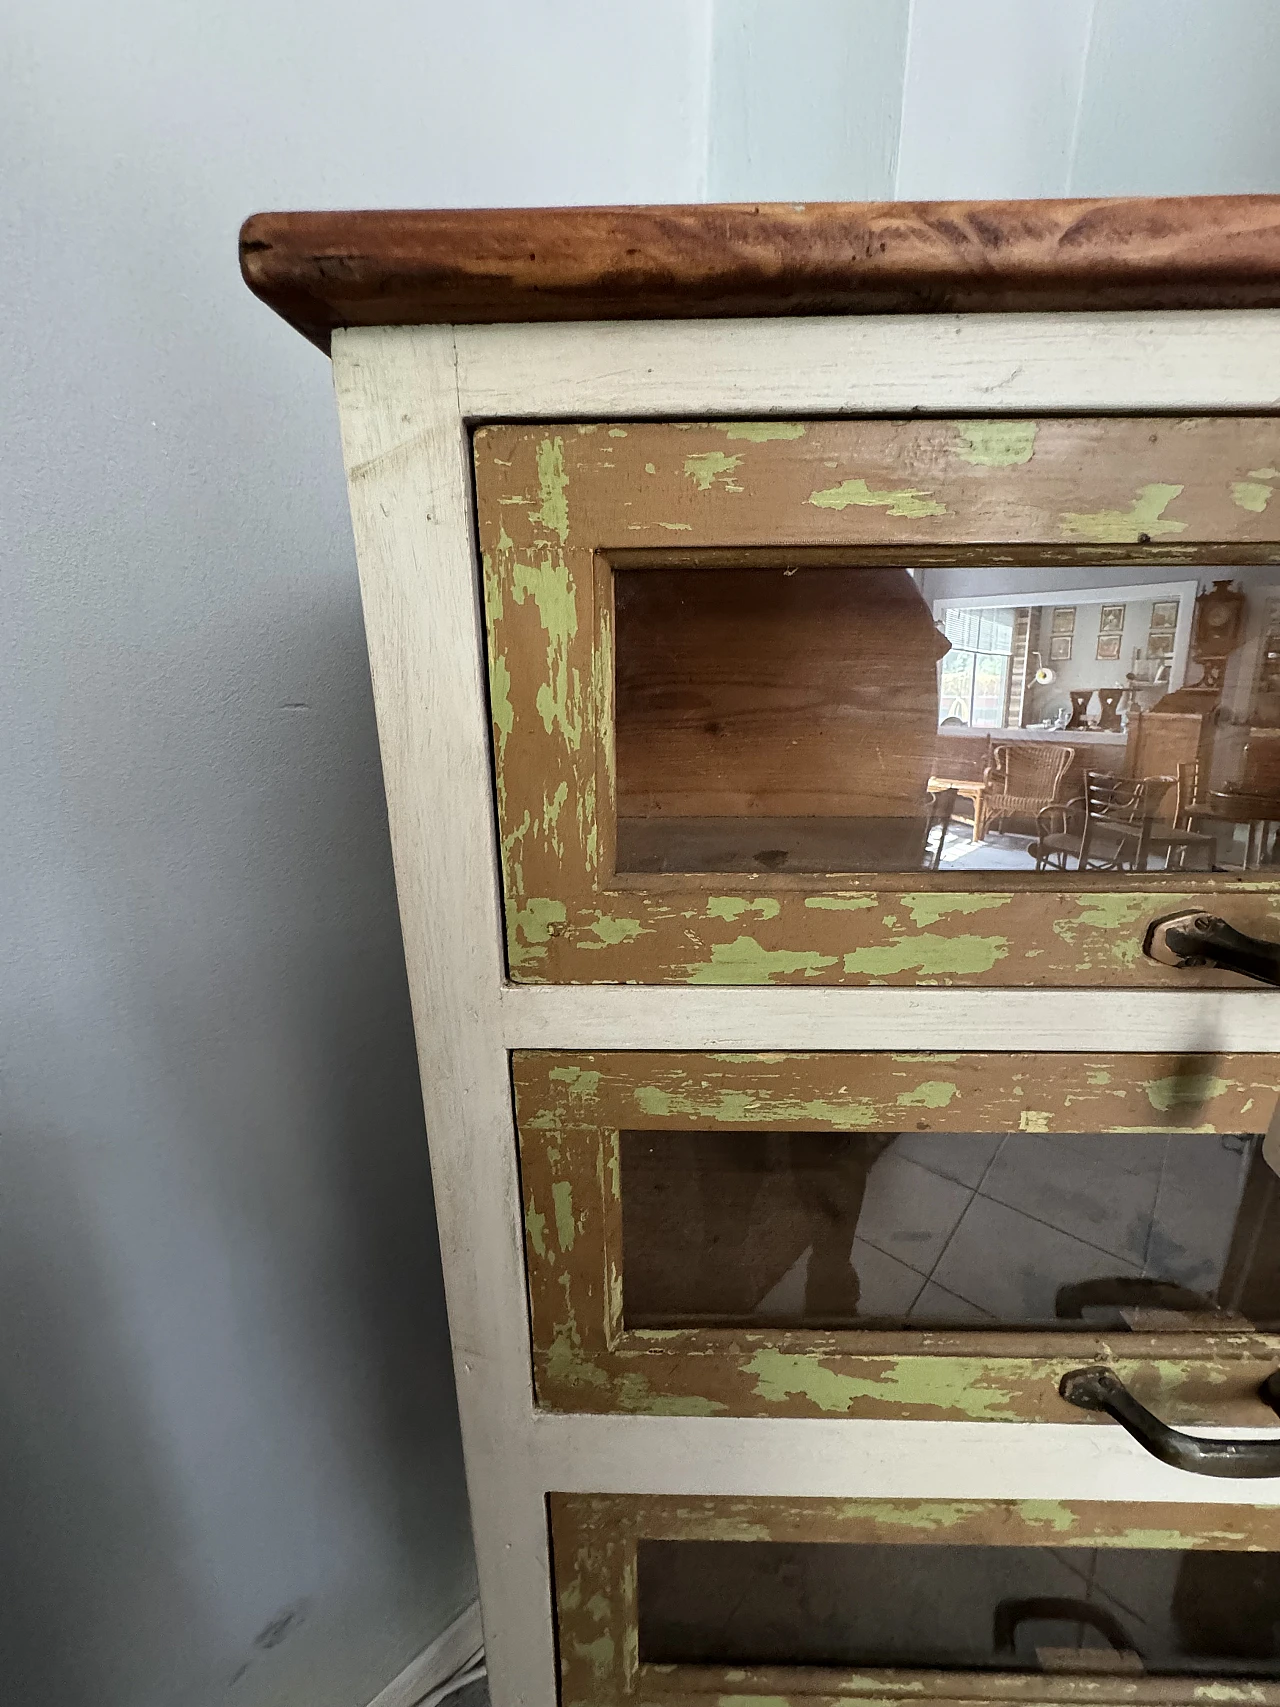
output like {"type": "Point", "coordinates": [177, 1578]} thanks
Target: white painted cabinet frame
{"type": "Point", "coordinates": [408, 398]}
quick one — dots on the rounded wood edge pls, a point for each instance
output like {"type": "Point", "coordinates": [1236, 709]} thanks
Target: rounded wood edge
{"type": "Point", "coordinates": [481, 266]}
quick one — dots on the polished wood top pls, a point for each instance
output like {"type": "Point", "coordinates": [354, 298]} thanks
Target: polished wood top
{"type": "Point", "coordinates": [325, 270]}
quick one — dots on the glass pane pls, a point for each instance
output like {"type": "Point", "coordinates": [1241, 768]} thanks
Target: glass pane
{"type": "Point", "coordinates": [804, 717]}
{"type": "Point", "coordinates": [1147, 1232]}
{"type": "Point", "coordinates": [966, 1608]}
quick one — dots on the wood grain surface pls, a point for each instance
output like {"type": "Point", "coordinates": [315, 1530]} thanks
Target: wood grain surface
{"type": "Point", "coordinates": [483, 265]}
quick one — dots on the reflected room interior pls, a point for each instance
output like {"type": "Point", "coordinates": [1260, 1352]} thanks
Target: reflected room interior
{"type": "Point", "coordinates": [809, 716]}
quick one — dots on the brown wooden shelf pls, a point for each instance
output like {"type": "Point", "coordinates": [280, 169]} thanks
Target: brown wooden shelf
{"type": "Point", "coordinates": [325, 270]}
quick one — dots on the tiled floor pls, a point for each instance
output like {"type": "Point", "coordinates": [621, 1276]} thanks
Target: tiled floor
{"type": "Point", "coordinates": [989, 1227]}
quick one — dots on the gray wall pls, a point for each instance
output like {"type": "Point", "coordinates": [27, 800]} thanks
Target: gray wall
{"type": "Point", "coordinates": [228, 1448]}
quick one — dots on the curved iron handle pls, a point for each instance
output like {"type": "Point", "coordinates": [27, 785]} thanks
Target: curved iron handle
{"type": "Point", "coordinates": [1198, 939]}
{"type": "Point", "coordinates": [1010, 1613]}
{"type": "Point", "coordinates": [1103, 1390]}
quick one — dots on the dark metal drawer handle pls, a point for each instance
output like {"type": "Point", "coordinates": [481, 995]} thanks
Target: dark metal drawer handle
{"type": "Point", "coordinates": [1103, 1390]}
{"type": "Point", "coordinates": [1198, 939]}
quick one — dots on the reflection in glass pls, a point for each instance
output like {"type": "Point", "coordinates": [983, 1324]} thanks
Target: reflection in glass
{"type": "Point", "coordinates": [1150, 1232]}
{"type": "Point", "coordinates": [797, 718]}
{"type": "Point", "coordinates": [960, 1608]}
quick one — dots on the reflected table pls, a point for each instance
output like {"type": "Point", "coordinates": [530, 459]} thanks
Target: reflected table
{"type": "Point", "coordinates": [966, 789]}
{"type": "Point", "coordinates": [1258, 812]}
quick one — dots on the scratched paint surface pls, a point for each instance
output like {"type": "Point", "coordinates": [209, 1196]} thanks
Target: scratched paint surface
{"type": "Point", "coordinates": [571, 1107]}
{"type": "Point", "coordinates": [554, 501]}
{"type": "Point", "coordinates": [595, 1542]}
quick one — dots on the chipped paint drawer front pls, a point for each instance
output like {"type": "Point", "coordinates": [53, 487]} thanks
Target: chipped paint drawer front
{"type": "Point", "coordinates": [818, 701]}
{"type": "Point", "coordinates": [664, 1600]}
{"type": "Point", "coordinates": [908, 1236]}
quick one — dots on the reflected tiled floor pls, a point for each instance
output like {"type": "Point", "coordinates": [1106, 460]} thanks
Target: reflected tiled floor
{"type": "Point", "coordinates": [988, 1227]}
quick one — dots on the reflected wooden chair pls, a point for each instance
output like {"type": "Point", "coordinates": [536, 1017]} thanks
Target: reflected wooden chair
{"type": "Point", "coordinates": [1021, 781]}
{"type": "Point", "coordinates": [942, 803]}
{"type": "Point", "coordinates": [1111, 827]}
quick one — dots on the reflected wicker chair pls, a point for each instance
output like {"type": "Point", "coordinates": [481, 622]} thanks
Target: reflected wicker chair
{"type": "Point", "coordinates": [1021, 781]}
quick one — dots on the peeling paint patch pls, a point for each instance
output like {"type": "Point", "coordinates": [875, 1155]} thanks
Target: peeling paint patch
{"type": "Point", "coordinates": [744, 961]}
{"type": "Point", "coordinates": [610, 931]}
{"type": "Point", "coordinates": [553, 511]}
{"type": "Point", "coordinates": [1254, 494]}
{"type": "Point", "coordinates": [712, 465]}
{"type": "Point", "coordinates": [839, 903]}
{"type": "Point", "coordinates": [534, 923]}
{"type": "Point", "coordinates": [731, 907]}
{"type": "Point", "coordinates": [1144, 517]}
{"type": "Point", "coordinates": [933, 1093]}
{"type": "Point", "coordinates": [535, 1225]}
{"type": "Point", "coordinates": [759, 432]}
{"type": "Point", "coordinates": [1184, 1090]}
{"type": "Point", "coordinates": [562, 1202]}
{"type": "Point", "coordinates": [931, 905]}
{"type": "Point", "coordinates": [932, 956]}
{"type": "Point", "coordinates": [908, 501]}
{"type": "Point", "coordinates": [996, 444]}
{"type": "Point", "coordinates": [1111, 912]}
{"type": "Point", "coordinates": [950, 1384]}
{"type": "Point", "coordinates": [1034, 1120]}
{"type": "Point", "coordinates": [583, 1082]}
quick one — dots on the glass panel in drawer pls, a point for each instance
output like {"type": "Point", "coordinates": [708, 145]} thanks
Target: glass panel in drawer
{"type": "Point", "coordinates": [900, 1235]}
{"type": "Point", "coordinates": [689, 1598]}
{"type": "Point", "coordinates": [853, 702]}
{"type": "Point", "coordinates": [1124, 1610]}
{"type": "Point", "coordinates": [1150, 1231]}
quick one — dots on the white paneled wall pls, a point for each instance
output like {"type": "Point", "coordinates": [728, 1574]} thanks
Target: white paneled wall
{"type": "Point", "coordinates": [938, 99]}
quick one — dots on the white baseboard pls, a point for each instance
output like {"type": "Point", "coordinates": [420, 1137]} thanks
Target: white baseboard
{"type": "Point", "coordinates": [435, 1664]}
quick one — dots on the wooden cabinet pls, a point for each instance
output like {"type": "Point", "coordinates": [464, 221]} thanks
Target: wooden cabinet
{"type": "Point", "coordinates": [849, 1233]}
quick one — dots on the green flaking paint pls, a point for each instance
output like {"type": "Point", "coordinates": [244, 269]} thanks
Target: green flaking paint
{"type": "Point", "coordinates": [580, 1082]}
{"type": "Point", "coordinates": [1098, 1076]}
{"type": "Point", "coordinates": [996, 444]}
{"type": "Point", "coordinates": [921, 1514]}
{"type": "Point", "coordinates": [535, 1225]}
{"type": "Point", "coordinates": [600, 1654]}
{"type": "Point", "coordinates": [743, 1107]}
{"type": "Point", "coordinates": [1144, 516]}
{"type": "Point", "coordinates": [612, 931]}
{"type": "Point", "coordinates": [635, 1395]}
{"type": "Point", "coordinates": [1051, 1513]}
{"type": "Point", "coordinates": [617, 432]}
{"type": "Point", "coordinates": [1112, 912]}
{"type": "Point", "coordinates": [908, 501]}
{"type": "Point", "coordinates": [1034, 1120]}
{"type": "Point", "coordinates": [562, 1203]}
{"type": "Point", "coordinates": [759, 432]}
{"type": "Point", "coordinates": [839, 903]}
{"type": "Point", "coordinates": [731, 907]}
{"type": "Point", "coordinates": [712, 465]}
{"type": "Point", "coordinates": [1184, 1090]}
{"type": "Point", "coordinates": [744, 961]}
{"type": "Point", "coordinates": [553, 485]}
{"type": "Point", "coordinates": [566, 1365]}
{"type": "Point", "coordinates": [1250, 495]}
{"type": "Point", "coordinates": [532, 923]}
{"type": "Point", "coordinates": [933, 1093]}
{"type": "Point", "coordinates": [931, 956]}
{"type": "Point", "coordinates": [551, 588]}
{"type": "Point", "coordinates": [677, 527]}
{"type": "Point", "coordinates": [942, 1383]}
{"type": "Point", "coordinates": [649, 468]}
{"type": "Point", "coordinates": [931, 905]}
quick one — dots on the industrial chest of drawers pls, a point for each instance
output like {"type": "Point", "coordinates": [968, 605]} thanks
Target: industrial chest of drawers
{"type": "Point", "coordinates": [827, 664]}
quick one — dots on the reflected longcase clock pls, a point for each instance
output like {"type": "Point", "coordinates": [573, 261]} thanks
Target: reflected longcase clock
{"type": "Point", "coordinates": [1216, 630]}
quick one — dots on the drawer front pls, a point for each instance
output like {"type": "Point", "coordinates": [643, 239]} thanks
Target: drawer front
{"type": "Point", "coordinates": [899, 1235]}
{"type": "Point", "coordinates": [784, 702]}
{"type": "Point", "coordinates": [681, 1600]}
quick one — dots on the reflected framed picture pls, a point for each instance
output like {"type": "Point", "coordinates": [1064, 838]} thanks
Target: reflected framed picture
{"type": "Point", "coordinates": [1064, 621]}
{"type": "Point", "coordinates": [1060, 647]}
{"type": "Point", "coordinates": [1111, 622]}
{"type": "Point", "coordinates": [1160, 645]}
{"type": "Point", "coordinates": [1164, 616]}
{"type": "Point", "coordinates": [1108, 646]}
